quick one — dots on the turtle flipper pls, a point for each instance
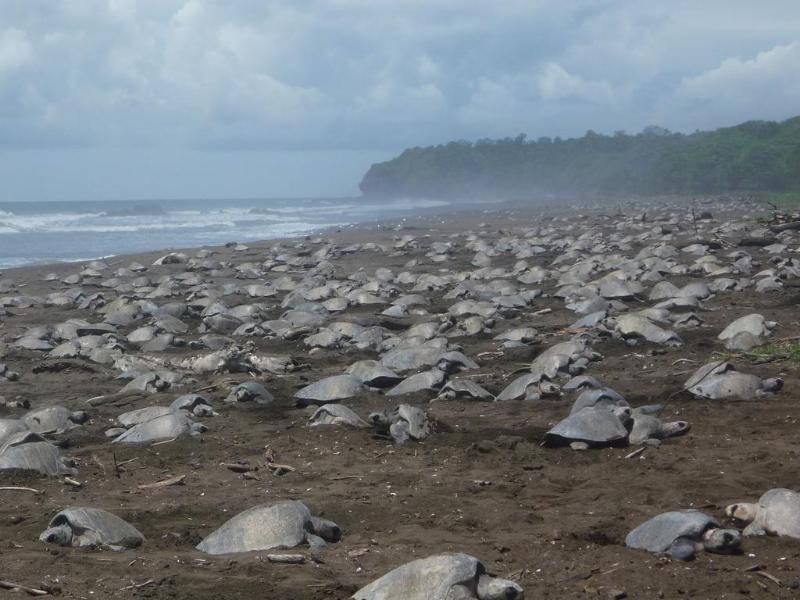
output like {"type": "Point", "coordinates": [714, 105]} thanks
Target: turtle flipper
{"type": "Point", "coordinates": [399, 431]}
{"type": "Point", "coordinates": [754, 529]}
{"type": "Point", "coordinates": [315, 542]}
{"type": "Point", "coordinates": [683, 548]}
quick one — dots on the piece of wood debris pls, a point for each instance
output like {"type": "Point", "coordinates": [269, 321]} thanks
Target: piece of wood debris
{"type": "Point", "coordinates": [176, 480]}
{"type": "Point", "coordinates": [636, 452]}
{"type": "Point", "coordinates": [72, 482]}
{"type": "Point", "coordinates": [286, 559]}
{"type": "Point", "coordinates": [278, 469]}
{"type": "Point", "coordinates": [769, 576]}
{"type": "Point", "coordinates": [13, 488]}
{"type": "Point", "coordinates": [18, 587]}
{"type": "Point", "coordinates": [136, 586]}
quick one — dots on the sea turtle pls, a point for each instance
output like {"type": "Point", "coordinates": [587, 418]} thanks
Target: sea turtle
{"type": "Point", "coordinates": [164, 427]}
{"type": "Point", "coordinates": [531, 386]}
{"type": "Point", "coordinates": [464, 388]}
{"type": "Point", "coordinates": [29, 451]}
{"type": "Point", "coordinates": [721, 381]}
{"type": "Point", "coordinates": [91, 528]}
{"type": "Point", "coordinates": [149, 383]}
{"type": "Point", "coordinates": [427, 380]}
{"type": "Point", "coordinates": [633, 327]}
{"type": "Point", "coordinates": [592, 427]}
{"type": "Point", "coordinates": [250, 391]}
{"type": "Point", "coordinates": [403, 422]}
{"type": "Point", "coordinates": [330, 389]}
{"type": "Point", "coordinates": [336, 414]}
{"type": "Point", "coordinates": [281, 525]}
{"type": "Point", "coordinates": [682, 533]}
{"type": "Point", "coordinates": [193, 404]}
{"type": "Point", "coordinates": [374, 374]}
{"type": "Point", "coordinates": [600, 397]}
{"type": "Point", "coordinates": [649, 429]}
{"type": "Point", "coordinates": [440, 577]}
{"type": "Point", "coordinates": [55, 419]}
{"type": "Point", "coordinates": [754, 324]}
{"type": "Point", "coordinates": [777, 512]}
{"type": "Point", "coordinates": [7, 374]}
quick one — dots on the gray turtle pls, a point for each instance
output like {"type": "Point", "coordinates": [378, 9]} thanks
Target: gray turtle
{"type": "Point", "coordinates": [403, 422]}
{"type": "Point", "coordinates": [440, 577]}
{"type": "Point", "coordinates": [600, 398]}
{"type": "Point", "coordinates": [754, 324]}
{"type": "Point", "coordinates": [531, 386]}
{"type": "Point", "coordinates": [149, 383]}
{"type": "Point", "coordinates": [633, 327]}
{"type": "Point", "coordinates": [55, 419]}
{"type": "Point", "coordinates": [682, 533]}
{"type": "Point", "coordinates": [142, 415]}
{"type": "Point", "coordinates": [29, 451]}
{"type": "Point", "coordinates": [193, 404]}
{"type": "Point", "coordinates": [91, 528]}
{"type": "Point", "coordinates": [464, 388]}
{"type": "Point", "coordinates": [250, 391]}
{"type": "Point", "coordinates": [374, 374]}
{"type": "Point", "coordinates": [330, 389]}
{"type": "Point", "coordinates": [721, 381]}
{"type": "Point", "coordinates": [164, 427]}
{"type": "Point", "coordinates": [777, 512]}
{"type": "Point", "coordinates": [592, 427]}
{"type": "Point", "coordinates": [282, 525]}
{"type": "Point", "coordinates": [336, 414]}
{"type": "Point", "coordinates": [431, 380]}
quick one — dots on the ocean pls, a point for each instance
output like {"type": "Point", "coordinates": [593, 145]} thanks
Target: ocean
{"type": "Point", "coordinates": [47, 232]}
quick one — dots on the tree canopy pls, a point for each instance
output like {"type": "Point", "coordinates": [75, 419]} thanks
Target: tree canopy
{"type": "Point", "coordinates": [758, 156]}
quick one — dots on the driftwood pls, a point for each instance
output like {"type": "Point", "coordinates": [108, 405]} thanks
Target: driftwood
{"type": "Point", "coordinates": [177, 480]}
{"type": "Point", "coordinates": [13, 488]}
{"type": "Point", "coordinates": [8, 585]}
{"type": "Point", "coordinates": [785, 226]}
{"type": "Point", "coordinates": [756, 242]}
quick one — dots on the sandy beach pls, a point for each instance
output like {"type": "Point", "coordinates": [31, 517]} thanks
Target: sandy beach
{"type": "Point", "coordinates": [552, 519]}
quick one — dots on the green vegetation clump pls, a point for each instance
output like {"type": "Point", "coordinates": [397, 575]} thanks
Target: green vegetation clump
{"type": "Point", "coordinates": [788, 350]}
{"type": "Point", "coordinates": [757, 157]}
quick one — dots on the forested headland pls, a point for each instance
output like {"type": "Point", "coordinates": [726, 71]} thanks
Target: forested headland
{"type": "Point", "coordinates": [756, 156]}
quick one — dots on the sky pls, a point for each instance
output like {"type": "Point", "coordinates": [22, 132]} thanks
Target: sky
{"type": "Point", "coordinates": [148, 99]}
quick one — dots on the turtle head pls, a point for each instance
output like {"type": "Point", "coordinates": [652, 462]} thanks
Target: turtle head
{"type": "Point", "coordinates": [774, 384]}
{"type": "Point", "coordinates": [327, 530]}
{"type": "Point", "coordinates": [60, 535]}
{"type": "Point", "coordinates": [743, 512]}
{"type": "Point", "coordinates": [494, 588]}
{"type": "Point", "coordinates": [242, 394]}
{"type": "Point", "coordinates": [79, 417]}
{"type": "Point", "coordinates": [195, 429]}
{"type": "Point", "coordinates": [380, 420]}
{"type": "Point", "coordinates": [722, 541]}
{"type": "Point", "coordinates": [625, 415]}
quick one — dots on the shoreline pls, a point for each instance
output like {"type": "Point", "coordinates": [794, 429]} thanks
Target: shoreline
{"type": "Point", "coordinates": [295, 311]}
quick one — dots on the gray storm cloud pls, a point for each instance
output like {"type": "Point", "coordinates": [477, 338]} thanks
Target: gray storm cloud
{"type": "Point", "coordinates": [330, 85]}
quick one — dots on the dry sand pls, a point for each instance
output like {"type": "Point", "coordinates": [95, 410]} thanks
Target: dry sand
{"type": "Point", "coordinates": [552, 519]}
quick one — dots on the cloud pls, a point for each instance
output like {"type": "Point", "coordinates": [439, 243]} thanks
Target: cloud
{"type": "Point", "coordinates": [359, 75]}
{"type": "Point", "coordinates": [555, 83]}
{"type": "Point", "coordinates": [15, 50]}
{"type": "Point", "coordinates": [739, 87]}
